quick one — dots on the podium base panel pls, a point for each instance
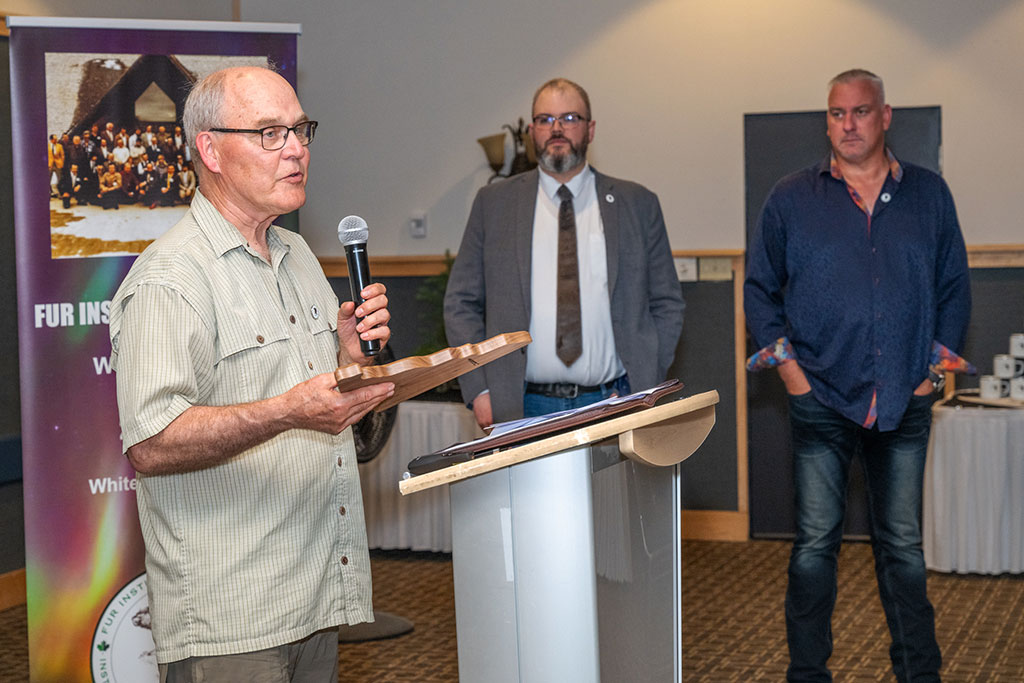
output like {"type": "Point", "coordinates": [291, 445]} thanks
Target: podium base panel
{"type": "Point", "coordinates": [567, 567]}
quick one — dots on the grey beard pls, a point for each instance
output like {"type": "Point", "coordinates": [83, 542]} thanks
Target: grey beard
{"type": "Point", "coordinates": [560, 163]}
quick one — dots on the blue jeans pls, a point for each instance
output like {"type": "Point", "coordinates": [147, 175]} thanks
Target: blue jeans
{"type": "Point", "coordinates": [538, 404]}
{"type": "Point", "coordinates": [824, 443]}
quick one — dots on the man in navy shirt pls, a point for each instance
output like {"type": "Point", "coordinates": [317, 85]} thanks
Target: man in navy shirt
{"type": "Point", "coordinates": [858, 291]}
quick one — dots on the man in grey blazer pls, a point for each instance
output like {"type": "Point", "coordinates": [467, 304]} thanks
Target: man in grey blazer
{"type": "Point", "coordinates": [505, 276]}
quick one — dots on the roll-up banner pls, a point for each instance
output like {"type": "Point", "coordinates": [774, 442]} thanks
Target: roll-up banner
{"type": "Point", "coordinates": [93, 99]}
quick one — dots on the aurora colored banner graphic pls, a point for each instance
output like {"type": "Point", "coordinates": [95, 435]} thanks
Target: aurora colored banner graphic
{"type": "Point", "coordinates": [104, 99]}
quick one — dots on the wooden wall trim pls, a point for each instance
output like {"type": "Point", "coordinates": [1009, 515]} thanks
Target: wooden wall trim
{"type": "Point", "coordinates": [390, 266]}
{"type": "Point", "coordinates": [995, 255]}
{"type": "Point", "coordinates": [715, 525]}
{"type": "Point", "coordinates": [434, 264]}
{"type": "Point", "coordinates": [740, 355]}
{"type": "Point", "coordinates": [978, 255]}
{"type": "Point", "coordinates": [12, 589]}
{"type": "Point", "coordinates": [702, 253]}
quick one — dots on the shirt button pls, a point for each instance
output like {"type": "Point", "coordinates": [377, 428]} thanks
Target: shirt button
{"type": "Point", "coordinates": [340, 461]}
{"type": "Point", "coordinates": [878, 352]}
{"type": "Point", "coordinates": [310, 365]}
{"type": "Point", "coordinates": [344, 560]}
{"type": "Point", "coordinates": [877, 280]}
{"type": "Point", "coordinates": [259, 338]}
{"type": "Point", "coordinates": [291, 319]}
{"type": "Point", "coordinates": [341, 510]}
{"type": "Point", "coordinates": [885, 197]}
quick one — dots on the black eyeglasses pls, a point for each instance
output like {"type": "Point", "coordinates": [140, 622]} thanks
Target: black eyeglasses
{"type": "Point", "coordinates": [570, 120]}
{"type": "Point", "coordinates": [274, 137]}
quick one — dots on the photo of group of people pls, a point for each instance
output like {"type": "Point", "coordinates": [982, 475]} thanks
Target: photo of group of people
{"type": "Point", "coordinates": [120, 171]}
{"type": "Point", "coordinates": [108, 167]}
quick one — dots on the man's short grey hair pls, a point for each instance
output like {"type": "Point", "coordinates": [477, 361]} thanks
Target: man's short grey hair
{"type": "Point", "coordinates": [203, 108]}
{"type": "Point", "coordinates": [563, 84]}
{"type": "Point", "coordinates": [853, 75]}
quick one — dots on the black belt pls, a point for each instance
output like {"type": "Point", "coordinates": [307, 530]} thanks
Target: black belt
{"type": "Point", "coordinates": [564, 390]}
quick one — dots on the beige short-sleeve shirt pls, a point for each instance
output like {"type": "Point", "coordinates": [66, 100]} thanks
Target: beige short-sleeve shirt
{"type": "Point", "coordinates": [269, 546]}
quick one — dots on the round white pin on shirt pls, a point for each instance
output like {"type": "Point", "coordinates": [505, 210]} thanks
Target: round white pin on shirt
{"type": "Point", "coordinates": [609, 198]}
{"type": "Point", "coordinates": [885, 197]}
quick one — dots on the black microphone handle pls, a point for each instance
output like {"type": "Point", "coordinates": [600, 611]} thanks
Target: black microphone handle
{"type": "Point", "coordinates": [358, 279]}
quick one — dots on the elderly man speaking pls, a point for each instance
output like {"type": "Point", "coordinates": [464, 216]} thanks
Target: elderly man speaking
{"type": "Point", "coordinates": [224, 337]}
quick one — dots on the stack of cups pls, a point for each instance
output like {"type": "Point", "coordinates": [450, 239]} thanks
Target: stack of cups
{"type": "Point", "coordinates": [1007, 378]}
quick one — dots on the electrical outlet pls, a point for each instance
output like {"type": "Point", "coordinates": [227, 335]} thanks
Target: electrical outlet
{"type": "Point", "coordinates": [715, 268]}
{"type": "Point", "coordinates": [686, 268]}
{"type": "Point", "coordinates": [418, 225]}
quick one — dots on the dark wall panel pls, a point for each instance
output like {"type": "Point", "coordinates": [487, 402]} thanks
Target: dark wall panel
{"type": "Point", "coordinates": [10, 399]}
{"type": "Point", "coordinates": [997, 311]}
{"type": "Point", "coordinates": [12, 527]}
{"type": "Point", "coordinates": [408, 316]}
{"type": "Point", "coordinates": [704, 361]}
{"type": "Point", "coordinates": [776, 145]}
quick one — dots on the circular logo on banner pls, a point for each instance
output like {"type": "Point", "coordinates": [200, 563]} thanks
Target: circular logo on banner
{"type": "Point", "coordinates": [122, 645]}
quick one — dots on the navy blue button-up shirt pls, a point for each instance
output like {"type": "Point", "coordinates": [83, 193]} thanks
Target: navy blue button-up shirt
{"type": "Point", "coordinates": [861, 298]}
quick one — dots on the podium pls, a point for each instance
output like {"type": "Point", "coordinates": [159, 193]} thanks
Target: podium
{"type": "Point", "coordinates": [566, 550]}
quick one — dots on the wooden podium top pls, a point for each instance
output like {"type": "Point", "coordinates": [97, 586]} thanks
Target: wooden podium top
{"type": "Point", "coordinates": [663, 435]}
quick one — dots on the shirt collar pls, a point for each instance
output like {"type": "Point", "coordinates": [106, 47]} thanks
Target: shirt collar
{"type": "Point", "coordinates": [832, 168]}
{"type": "Point", "coordinates": [575, 185]}
{"type": "Point", "coordinates": [222, 234]}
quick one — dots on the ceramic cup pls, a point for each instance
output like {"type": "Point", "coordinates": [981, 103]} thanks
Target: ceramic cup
{"type": "Point", "coordinates": [1006, 366]}
{"type": "Point", "coordinates": [1017, 388]}
{"type": "Point", "coordinates": [994, 387]}
{"type": "Point", "coordinates": [1017, 344]}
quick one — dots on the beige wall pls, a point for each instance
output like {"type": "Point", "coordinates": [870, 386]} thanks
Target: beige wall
{"type": "Point", "coordinates": [200, 10]}
{"type": "Point", "coordinates": [404, 87]}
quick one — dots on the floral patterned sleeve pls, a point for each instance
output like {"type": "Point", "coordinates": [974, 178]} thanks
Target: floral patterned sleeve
{"type": "Point", "coordinates": [942, 359]}
{"type": "Point", "coordinates": [772, 355]}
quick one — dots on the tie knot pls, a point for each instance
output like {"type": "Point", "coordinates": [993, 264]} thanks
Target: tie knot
{"type": "Point", "coordinates": [564, 193]}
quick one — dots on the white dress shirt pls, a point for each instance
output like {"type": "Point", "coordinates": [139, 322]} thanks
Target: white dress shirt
{"type": "Point", "coordinates": [599, 362]}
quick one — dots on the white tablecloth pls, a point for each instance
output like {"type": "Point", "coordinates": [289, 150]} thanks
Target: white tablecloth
{"type": "Point", "coordinates": [419, 521]}
{"type": "Point", "coordinates": [974, 491]}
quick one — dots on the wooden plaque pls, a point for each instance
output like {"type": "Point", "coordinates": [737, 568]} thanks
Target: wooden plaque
{"type": "Point", "coordinates": [416, 374]}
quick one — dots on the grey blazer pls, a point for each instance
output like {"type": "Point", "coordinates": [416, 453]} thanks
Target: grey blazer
{"type": "Point", "coordinates": [489, 287]}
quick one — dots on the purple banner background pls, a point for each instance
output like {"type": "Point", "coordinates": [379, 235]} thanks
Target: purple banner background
{"type": "Point", "coordinates": [83, 549]}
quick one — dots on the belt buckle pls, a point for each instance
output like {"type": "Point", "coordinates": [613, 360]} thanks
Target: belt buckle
{"type": "Point", "coordinates": [572, 391]}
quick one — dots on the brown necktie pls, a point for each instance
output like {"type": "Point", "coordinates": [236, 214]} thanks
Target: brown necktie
{"type": "Point", "coordinates": [568, 329]}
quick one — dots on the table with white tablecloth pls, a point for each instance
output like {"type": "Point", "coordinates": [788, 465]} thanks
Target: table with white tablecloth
{"type": "Point", "coordinates": [973, 511]}
{"type": "Point", "coordinates": [421, 521]}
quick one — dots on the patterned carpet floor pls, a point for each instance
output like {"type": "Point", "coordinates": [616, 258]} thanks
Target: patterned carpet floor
{"type": "Point", "coordinates": [733, 628]}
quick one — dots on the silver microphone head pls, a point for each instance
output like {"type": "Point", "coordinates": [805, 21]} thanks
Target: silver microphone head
{"type": "Point", "coordinates": [353, 230]}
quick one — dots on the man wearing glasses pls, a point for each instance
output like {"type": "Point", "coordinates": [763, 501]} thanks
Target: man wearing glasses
{"type": "Point", "coordinates": [224, 336]}
{"type": "Point", "coordinates": [579, 259]}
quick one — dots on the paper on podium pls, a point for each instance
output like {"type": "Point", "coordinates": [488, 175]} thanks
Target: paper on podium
{"type": "Point", "coordinates": [416, 374]}
{"type": "Point", "coordinates": [660, 436]}
{"type": "Point", "coordinates": [519, 431]}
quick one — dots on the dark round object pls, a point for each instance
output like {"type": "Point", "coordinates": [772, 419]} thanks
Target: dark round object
{"type": "Point", "coordinates": [372, 432]}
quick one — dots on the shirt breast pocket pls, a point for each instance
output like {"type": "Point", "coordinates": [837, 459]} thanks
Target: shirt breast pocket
{"type": "Point", "coordinates": [253, 359]}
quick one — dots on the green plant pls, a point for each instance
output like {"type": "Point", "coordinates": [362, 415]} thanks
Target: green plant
{"type": "Point", "coordinates": [431, 295]}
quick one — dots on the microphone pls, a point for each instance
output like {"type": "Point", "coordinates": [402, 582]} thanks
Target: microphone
{"type": "Point", "coordinates": [352, 232]}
